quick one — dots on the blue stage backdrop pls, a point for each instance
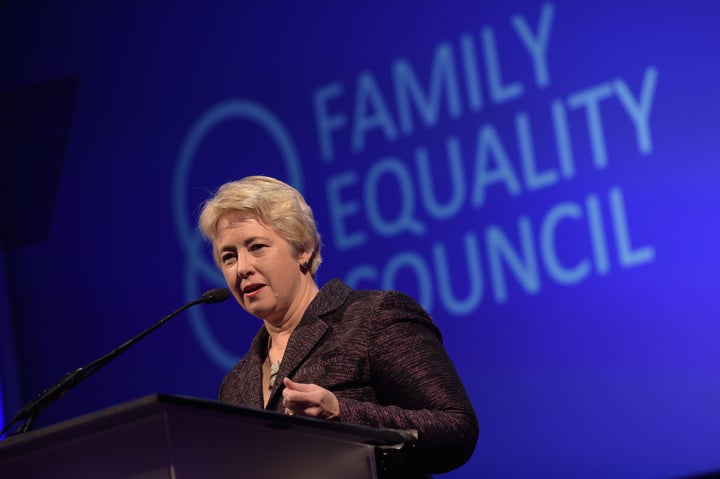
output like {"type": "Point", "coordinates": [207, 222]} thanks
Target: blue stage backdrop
{"type": "Point", "coordinates": [542, 176]}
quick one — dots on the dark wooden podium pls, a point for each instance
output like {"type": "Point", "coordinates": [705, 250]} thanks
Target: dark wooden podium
{"type": "Point", "coordinates": [175, 437]}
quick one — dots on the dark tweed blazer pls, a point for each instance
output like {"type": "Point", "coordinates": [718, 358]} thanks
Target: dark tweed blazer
{"type": "Point", "coordinates": [382, 356]}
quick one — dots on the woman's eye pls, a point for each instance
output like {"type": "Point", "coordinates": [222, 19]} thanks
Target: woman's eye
{"type": "Point", "coordinates": [257, 247]}
{"type": "Point", "coordinates": [227, 257]}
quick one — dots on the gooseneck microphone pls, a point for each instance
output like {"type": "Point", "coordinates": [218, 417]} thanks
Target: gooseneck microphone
{"type": "Point", "coordinates": [30, 411]}
{"type": "Point", "coordinates": [213, 296]}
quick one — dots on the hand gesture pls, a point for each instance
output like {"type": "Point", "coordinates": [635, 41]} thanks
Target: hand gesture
{"type": "Point", "coordinates": [309, 400]}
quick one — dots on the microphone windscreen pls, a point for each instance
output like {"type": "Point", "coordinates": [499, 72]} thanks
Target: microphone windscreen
{"type": "Point", "coordinates": [216, 295]}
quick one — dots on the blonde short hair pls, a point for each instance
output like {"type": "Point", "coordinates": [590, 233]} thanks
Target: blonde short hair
{"type": "Point", "coordinates": [273, 203]}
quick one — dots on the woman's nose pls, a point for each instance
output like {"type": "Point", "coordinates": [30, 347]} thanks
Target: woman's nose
{"type": "Point", "coordinates": [244, 266]}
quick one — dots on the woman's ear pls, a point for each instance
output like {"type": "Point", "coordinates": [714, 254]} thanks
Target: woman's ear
{"type": "Point", "coordinates": [305, 260]}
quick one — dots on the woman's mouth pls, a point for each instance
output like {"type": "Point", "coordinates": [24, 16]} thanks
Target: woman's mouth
{"type": "Point", "coordinates": [252, 289]}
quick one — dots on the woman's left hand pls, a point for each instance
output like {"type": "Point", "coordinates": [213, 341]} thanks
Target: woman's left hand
{"type": "Point", "coordinates": [309, 400]}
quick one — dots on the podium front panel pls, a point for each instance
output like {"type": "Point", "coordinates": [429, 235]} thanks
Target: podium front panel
{"type": "Point", "coordinates": [182, 438]}
{"type": "Point", "coordinates": [137, 449]}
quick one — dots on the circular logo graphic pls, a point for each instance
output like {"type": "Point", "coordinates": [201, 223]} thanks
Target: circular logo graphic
{"type": "Point", "coordinates": [197, 264]}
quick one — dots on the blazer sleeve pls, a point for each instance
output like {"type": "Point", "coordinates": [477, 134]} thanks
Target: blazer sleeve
{"type": "Point", "coordinates": [416, 385]}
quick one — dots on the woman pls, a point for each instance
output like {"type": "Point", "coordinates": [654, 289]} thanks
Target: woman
{"type": "Point", "coordinates": [363, 357]}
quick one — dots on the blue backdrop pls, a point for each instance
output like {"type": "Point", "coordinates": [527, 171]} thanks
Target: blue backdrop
{"type": "Point", "coordinates": [541, 176]}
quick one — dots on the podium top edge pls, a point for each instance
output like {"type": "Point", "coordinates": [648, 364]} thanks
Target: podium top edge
{"type": "Point", "coordinates": [159, 403]}
{"type": "Point", "coordinates": [365, 434]}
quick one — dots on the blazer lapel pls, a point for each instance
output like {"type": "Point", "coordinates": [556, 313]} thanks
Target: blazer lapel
{"type": "Point", "coordinates": [301, 343]}
{"type": "Point", "coordinates": [308, 333]}
{"type": "Point", "coordinates": [256, 357]}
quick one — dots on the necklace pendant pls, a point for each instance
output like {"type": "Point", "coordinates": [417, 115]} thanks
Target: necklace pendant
{"type": "Point", "coordinates": [274, 368]}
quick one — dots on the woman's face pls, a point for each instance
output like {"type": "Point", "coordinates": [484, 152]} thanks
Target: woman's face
{"type": "Point", "coordinates": [259, 267]}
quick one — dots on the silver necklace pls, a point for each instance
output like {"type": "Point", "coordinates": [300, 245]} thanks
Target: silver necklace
{"type": "Point", "coordinates": [274, 366]}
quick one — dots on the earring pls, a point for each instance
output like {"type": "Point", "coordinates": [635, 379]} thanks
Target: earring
{"type": "Point", "coordinates": [305, 266]}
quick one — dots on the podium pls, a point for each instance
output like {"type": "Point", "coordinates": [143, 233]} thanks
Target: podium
{"type": "Point", "coordinates": [177, 437]}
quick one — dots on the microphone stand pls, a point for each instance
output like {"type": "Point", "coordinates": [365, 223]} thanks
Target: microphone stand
{"type": "Point", "coordinates": [31, 410]}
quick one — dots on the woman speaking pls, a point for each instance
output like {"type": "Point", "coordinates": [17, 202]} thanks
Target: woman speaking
{"type": "Point", "coordinates": [372, 358]}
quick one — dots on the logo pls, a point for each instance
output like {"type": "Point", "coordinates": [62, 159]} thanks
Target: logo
{"type": "Point", "coordinates": [197, 265]}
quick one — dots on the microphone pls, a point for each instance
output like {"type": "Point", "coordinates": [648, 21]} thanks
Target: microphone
{"type": "Point", "coordinates": [30, 411]}
{"type": "Point", "coordinates": [215, 295]}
